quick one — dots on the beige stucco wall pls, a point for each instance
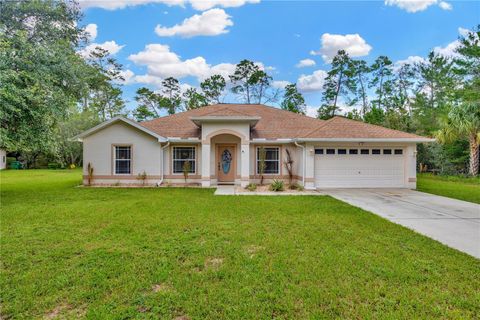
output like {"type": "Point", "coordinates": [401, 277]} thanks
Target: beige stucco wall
{"type": "Point", "coordinates": [98, 150]}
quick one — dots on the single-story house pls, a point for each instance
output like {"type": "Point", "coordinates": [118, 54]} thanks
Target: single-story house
{"type": "Point", "coordinates": [225, 143]}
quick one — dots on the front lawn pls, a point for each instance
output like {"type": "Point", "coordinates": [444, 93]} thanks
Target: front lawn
{"type": "Point", "coordinates": [467, 189]}
{"type": "Point", "coordinates": [164, 253]}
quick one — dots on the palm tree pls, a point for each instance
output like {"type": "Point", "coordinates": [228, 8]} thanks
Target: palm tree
{"type": "Point", "coordinates": [464, 121]}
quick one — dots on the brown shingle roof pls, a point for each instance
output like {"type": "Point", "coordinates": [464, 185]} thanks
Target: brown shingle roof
{"type": "Point", "coordinates": [275, 123]}
{"type": "Point", "coordinates": [340, 127]}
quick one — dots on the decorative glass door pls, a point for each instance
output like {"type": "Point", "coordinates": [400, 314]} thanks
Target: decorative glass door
{"type": "Point", "coordinates": [225, 163]}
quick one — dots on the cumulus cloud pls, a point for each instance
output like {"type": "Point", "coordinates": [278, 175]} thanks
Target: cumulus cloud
{"type": "Point", "coordinates": [413, 6]}
{"type": "Point", "coordinates": [353, 44]}
{"type": "Point", "coordinates": [311, 111]}
{"type": "Point", "coordinates": [161, 62]}
{"type": "Point", "coordinates": [208, 4]}
{"type": "Point", "coordinates": [210, 23]}
{"type": "Point", "coordinates": [312, 82]}
{"type": "Point", "coordinates": [200, 5]}
{"type": "Point", "coordinates": [121, 4]}
{"type": "Point", "coordinates": [91, 30]}
{"type": "Point", "coordinates": [305, 63]}
{"type": "Point", "coordinates": [411, 60]}
{"type": "Point", "coordinates": [280, 84]}
{"type": "Point", "coordinates": [110, 46]}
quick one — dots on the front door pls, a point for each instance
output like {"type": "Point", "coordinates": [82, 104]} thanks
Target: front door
{"type": "Point", "coordinates": [226, 163]}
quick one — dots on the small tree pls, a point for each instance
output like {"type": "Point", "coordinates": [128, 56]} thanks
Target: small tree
{"type": "Point", "coordinates": [186, 170]}
{"type": "Point", "coordinates": [289, 166]}
{"type": "Point", "coordinates": [262, 154]}
{"type": "Point", "coordinates": [90, 173]}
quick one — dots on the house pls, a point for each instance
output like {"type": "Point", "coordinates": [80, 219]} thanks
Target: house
{"type": "Point", "coordinates": [3, 159]}
{"type": "Point", "coordinates": [224, 144]}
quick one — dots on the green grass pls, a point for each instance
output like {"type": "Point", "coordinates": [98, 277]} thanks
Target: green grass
{"type": "Point", "coordinates": [164, 253]}
{"type": "Point", "coordinates": [467, 189]}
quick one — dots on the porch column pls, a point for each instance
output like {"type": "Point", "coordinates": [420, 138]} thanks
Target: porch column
{"type": "Point", "coordinates": [205, 165]}
{"type": "Point", "coordinates": [245, 164]}
{"type": "Point", "coordinates": [309, 167]}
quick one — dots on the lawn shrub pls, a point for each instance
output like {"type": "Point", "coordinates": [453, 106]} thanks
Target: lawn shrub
{"type": "Point", "coordinates": [277, 185]}
{"type": "Point", "coordinates": [251, 187]}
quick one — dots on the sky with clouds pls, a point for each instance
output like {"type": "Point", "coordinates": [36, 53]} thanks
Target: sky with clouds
{"type": "Point", "coordinates": [293, 40]}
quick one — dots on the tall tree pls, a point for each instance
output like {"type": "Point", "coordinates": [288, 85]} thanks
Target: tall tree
{"type": "Point", "coordinates": [40, 77]}
{"type": "Point", "coordinates": [193, 99]}
{"type": "Point", "coordinates": [242, 79]}
{"type": "Point", "coordinates": [464, 121]}
{"type": "Point", "coordinates": [171, 91]}
{"type": "Point", "coordinates": [293, 100]}
{"type": "Point", "coordinates": [336, 84]}
{"type": "Point", "coordinates": [381, 80]}
{"type": "Point", "coordinates": [213, 88]}
{"type": "Point", "coordinates": [261, 88]}
{"type": "Point", "coordinates": [359, 72]}
{"type": "Point", "coordinates": [149, 106]}
{"type": "Point", "coordinates": [436, 92]}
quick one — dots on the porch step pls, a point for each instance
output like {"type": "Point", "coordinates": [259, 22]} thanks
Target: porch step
{"type": "Point", "coordinates": [225, 190]}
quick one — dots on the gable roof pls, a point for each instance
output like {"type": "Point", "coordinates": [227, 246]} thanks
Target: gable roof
{"type": "Point", "coordinates": [275, 123]}
{"type": "Point", "coordinates": [116, 119]}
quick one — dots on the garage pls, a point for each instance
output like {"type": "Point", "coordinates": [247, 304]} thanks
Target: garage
{"type": "Point", "coordinates": [365, 167]}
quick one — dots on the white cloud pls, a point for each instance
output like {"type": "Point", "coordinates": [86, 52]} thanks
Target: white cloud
{"type": "Point", "coordinates": [128, 76]}
{"type": "Point", "coordinates": [413, 6]}
{"type": "Point", "coordinates": [311, 111]}
{"type": "Point", "coordinates": [210, 23]}
{"type": "Point", "coordinates": [411, 60]}
{"type": "Point", "coordinates": [110, 46]}
{"type": "Point", "coordinates": [280, 84]}
{"type": "Point", "coordinates": [200, 5]}
{"type": "Point", "coordinates": [445, 5]}
{"type": "Point", "coordinates": [162, 63]}
{"type": "Point", "coordinates": [91, 29]}
{"type": "Point", "coordinates": [463, 32]}
{"type": "Point", "coordinates": [208, 4]}
{"type": "Point", "coordinates": [121, 4]}
{"type": "Point", "coordinates": [305, 63]}
{"type": "Point", "coordinates": [353, 44]}
{"type": "Point", "coordinates": [312, 82]}
{"type": "Point", "coordinates": [448, 50]}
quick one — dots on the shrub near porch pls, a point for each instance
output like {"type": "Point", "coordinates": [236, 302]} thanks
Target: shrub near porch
{"type": "Point", "coordinates": [166, 253]}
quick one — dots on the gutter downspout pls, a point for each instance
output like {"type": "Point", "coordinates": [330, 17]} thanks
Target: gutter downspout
{"type": "Point", "coordinates": [161, 161]}
{"type": "Point", "coordinates": [304, 162]}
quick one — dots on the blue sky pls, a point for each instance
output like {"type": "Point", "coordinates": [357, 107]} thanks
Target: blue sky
{"type": "Point", "coordinates": [192, 39]}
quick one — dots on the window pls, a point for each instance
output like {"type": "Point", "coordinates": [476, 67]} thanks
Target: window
{"type": "Point", "coordinates": [398, 151]}
{"type": "Point", "coordinates": [330, 151]}
{"type": "Point", "coordinates": [182, 155]}
{"type": "Point", "coordinates": [387, 151]}
{"type": "Point", "coordinates": [318, 151]}
{"type": "Point", "coordinates": [375, 151]}
{"type": "Point", "coordinates": [365, 151]}
{"type": "Point", "coordinates": [342, 151]}
{"type": "Point", "coordinates": [272, 160]}
{"type": "Point", "coordinates": [353, 151]}
{"type": "Point", "coordinates": [123, 160]}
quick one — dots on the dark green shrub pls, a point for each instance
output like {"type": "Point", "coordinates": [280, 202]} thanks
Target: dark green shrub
{"type": "Point", "coordinates": [54, 165]}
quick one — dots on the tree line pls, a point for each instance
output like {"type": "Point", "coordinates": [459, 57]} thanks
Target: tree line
{"type": "Point", "coordinates": [49, 92]}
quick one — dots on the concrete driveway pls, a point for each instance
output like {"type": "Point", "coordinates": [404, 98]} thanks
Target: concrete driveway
{"type": "Point", "coordinates": [452, 222]}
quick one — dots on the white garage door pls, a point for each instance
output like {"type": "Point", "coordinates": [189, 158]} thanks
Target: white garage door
{"type": "Point", "coordinates": [359, 167]}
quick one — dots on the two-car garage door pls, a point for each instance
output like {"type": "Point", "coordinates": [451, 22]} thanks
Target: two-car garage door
{"type": "Point", "coordinates": [359, 167]}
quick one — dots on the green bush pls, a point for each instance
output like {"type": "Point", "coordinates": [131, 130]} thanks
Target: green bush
{"type": "Point", "coordinates": [251, 187]}
{"type": "Point", "coordinates": [296, 186]}
{"type": "Point", "coordinates": [10, 160]}
{"type": "Point", "coordinates": [54, 165]}
{"type": "Point", "coordinates": [277, 185]}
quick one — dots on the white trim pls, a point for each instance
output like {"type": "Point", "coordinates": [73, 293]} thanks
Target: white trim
{"type": "Point", "coordinates": [104, 124]}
